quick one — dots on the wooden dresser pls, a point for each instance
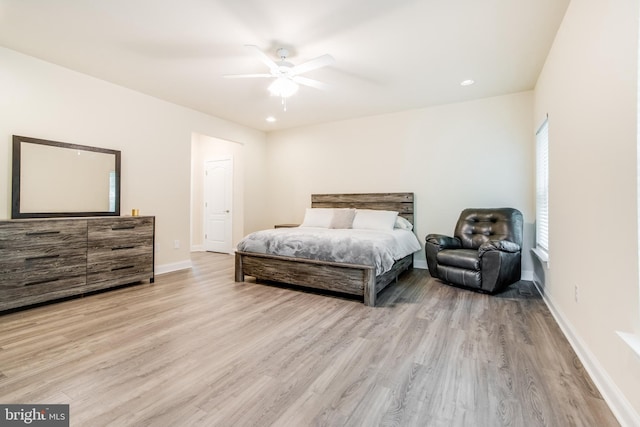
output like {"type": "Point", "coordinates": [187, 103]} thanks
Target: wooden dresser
{"type": "Point", "coordinates": [47, 259]}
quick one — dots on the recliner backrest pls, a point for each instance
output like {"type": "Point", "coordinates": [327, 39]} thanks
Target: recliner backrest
{"type": "Point", "coordinates": [477, 226]}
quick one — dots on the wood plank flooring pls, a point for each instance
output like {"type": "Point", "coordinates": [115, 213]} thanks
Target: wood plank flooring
{"type": "Point", "coordinates": [198, 349]}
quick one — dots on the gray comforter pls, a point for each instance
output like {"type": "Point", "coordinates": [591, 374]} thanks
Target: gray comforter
{"type": "Point", "coordinates": [364, 247]}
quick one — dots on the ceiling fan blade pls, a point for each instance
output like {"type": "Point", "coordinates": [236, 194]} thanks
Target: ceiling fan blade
{"type": "Point", "coordinates": [265, 58]}
{"type": "Point", "coordinates": [312, 64]}
{"type": "Point", "coordinates": [310, 82]}
{"type": "Point", "coordinates": [245, 76]}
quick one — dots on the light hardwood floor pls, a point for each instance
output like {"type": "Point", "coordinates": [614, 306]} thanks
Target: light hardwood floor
{"type": "Point", "coordinates": [196, 348]}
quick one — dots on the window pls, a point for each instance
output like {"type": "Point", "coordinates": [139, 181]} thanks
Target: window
{"type": "Point", "coordinates": [542, 191]}
{"type": "Point", "coordinates": [112, 191]}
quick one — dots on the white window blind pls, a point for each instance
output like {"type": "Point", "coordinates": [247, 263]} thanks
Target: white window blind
{"type": "Point", "coordinates": [542, 188]}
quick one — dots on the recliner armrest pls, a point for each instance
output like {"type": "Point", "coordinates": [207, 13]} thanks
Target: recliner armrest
{"type": "Point", "coordinates": [444, 242]}
{"type": "Point", "coordinates": [499, 245]}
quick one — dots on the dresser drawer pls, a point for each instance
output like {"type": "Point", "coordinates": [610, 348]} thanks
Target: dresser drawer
{"type": "Point", "coordinates": [34, 235]}
{"type": "Point", "coordinates": [27, 268]}
{"type": "Point", "coordinates": [121, 269]}
{"type": "Point", "coordinates": [42, 289]}
{"type": "Point", "coordinates": [40, 255]}
{"type": "Point", "coordinates": [12, 297]}
{"type": "Point", "coordinates": [131, 231]}
{"type": "Point", "coordinates": [101, 258]}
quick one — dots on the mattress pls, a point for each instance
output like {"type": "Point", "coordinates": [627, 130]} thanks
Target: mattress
{"type": "Point", "coordinates": [376, 248]}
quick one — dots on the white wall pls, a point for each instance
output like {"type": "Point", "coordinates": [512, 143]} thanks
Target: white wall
{"type": "Point", "coordinates": [41, 100]}
{"type": "Point", "coordinates": [589, 89]}
{"type": "Point", "coordinates": [472, 154]}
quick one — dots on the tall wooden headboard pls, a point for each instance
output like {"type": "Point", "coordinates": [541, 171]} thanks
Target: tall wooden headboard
{"type": "Point", "coordinates": [400, 202]}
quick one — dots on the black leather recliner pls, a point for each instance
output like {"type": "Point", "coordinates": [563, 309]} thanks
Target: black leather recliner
{"type": "Point", "coordinates": [485, 252]}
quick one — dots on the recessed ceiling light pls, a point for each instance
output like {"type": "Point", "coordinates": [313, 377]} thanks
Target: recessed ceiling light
{"type": "Point", "coordinates": [270, 119]}
{"type": "Point", "coordinates": [468, 82]}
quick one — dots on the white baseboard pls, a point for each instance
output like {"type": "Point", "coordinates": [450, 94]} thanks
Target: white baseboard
{"type": "Point", "coordinates": [618, 403]}
{"type": "Point", "coordinates": [527, 275]}
{"type": "Point", "coordinates": [197, 248]}
{"type": "Point", "coordinates": [175, 266]}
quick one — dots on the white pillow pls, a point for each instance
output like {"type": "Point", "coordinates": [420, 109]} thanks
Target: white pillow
{"type": "Point", "coordinates": [317, 217]}
{"type": "Point", "coordinates": [374, 220]}
{"type": "Point", "coordinates": [403, 223]}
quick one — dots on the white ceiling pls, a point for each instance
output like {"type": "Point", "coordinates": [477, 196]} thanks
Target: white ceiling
{"type": "Point", "coordinates": [391, 55]}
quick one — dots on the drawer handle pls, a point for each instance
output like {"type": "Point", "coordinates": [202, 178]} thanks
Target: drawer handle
{"type": "Point", "coordinates": [122, 268]}
{"type": "Point", "coordinates": [41, 233]}
{"type": "Point", "coordinates": [42, 282]}
{"type": "Point", "coordinates": [123, 227]}
{"type": "Point", "coordinates": [118, 248]}
{"type": "Point", "coordinates": [37, 258]}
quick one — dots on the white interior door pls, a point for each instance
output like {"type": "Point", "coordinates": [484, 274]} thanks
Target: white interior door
{"type": "Point", "coordinates": [218, 191]}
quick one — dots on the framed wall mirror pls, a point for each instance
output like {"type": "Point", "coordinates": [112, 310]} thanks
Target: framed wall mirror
{"type": "Point", "coordinates": [57, 179]}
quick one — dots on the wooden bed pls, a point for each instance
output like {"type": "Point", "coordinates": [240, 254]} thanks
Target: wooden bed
{"type": "Point", "coordinates": [351, 279]}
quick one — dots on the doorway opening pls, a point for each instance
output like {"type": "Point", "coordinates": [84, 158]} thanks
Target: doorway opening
{"type": "Point", "coordinates": [214, 192]}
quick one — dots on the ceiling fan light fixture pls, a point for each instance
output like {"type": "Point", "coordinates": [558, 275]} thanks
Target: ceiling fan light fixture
{"type": "Point", "coordinates": [283, 87]}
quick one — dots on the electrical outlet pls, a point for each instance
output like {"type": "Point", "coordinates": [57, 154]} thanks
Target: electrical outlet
{"type": "Point", "coordinates": [576, 293]}
{"type": "Point", "coordinates": [176, 244]}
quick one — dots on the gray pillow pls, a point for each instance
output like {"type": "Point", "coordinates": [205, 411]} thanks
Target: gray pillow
{"type": "Point", "coordinates": [342, 218]}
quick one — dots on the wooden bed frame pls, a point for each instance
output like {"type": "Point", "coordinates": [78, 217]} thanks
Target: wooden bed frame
{"type": "Point", "coordinates": [351, 279]}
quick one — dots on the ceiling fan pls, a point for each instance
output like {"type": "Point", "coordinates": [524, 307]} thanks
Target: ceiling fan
{"type": "Point", "coordinates": [287, 75]}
